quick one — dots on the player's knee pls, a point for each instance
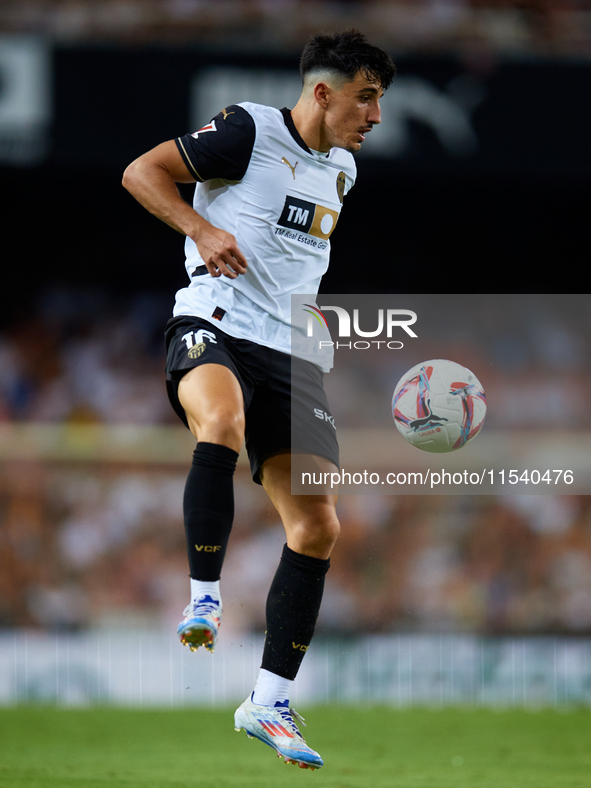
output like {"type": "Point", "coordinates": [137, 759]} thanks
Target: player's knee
{"type": "Point", "coordinates": [219, 425]}
{"type": "Point", "coordinates": [225, 425]}
{"type": "Point", "coordinates": [331, 531]}
{"type": "Point", "coordinates": [316, 535]}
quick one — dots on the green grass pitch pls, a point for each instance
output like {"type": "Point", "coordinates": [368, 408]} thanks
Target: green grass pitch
{"type": "Point", "coordinates": [43, 747]}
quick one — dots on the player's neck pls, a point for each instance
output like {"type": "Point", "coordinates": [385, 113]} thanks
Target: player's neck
{"type": "Point", "coordinates": [308, 122]}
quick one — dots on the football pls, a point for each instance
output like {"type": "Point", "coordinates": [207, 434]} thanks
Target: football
{"type": "Point", "coordinates": [439, 406]}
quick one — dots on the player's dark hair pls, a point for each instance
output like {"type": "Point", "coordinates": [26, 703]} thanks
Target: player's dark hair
{"type": "Point", "coordinates": [347, 53]}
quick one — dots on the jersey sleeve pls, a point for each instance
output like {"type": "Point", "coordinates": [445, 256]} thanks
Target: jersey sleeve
{"type": "Point", "coordinates": [222, 148]}
{"type": "Point", "coordinates": [351, 177]}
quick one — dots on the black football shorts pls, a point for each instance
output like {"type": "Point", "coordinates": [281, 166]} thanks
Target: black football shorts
{"type": "Point", "coordinates": [284, 400]}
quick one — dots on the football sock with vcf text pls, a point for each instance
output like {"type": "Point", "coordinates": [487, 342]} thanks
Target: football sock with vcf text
{"type": "Point", "coordinates": [293, 605]}
{"type": "Point", "coordinates": [208, 509]}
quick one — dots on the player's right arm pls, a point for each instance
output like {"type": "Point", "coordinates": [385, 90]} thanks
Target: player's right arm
{"type": "Point", "coordinates": [152, 180]}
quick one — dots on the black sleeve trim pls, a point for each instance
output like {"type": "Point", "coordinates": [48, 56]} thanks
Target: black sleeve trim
{"type": "Point", "coordinates": [188, 163]}
{"type": "Point", "coordinates": [222, 148]}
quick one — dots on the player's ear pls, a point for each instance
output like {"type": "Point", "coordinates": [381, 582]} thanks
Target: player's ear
{"type": "Point", "coordinates": [322, 93]}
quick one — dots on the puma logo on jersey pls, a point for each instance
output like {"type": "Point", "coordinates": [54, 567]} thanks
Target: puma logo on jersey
{"type": "Point", "coordinates": [284, 161]}
{"type": "Point", "coordinates": [225, 113]}
{"type": "Point", "coordinates": [210, 127]}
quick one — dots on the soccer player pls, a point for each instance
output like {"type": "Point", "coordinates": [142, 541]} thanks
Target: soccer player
{"type": "Point", "coordinates": [270, 185]}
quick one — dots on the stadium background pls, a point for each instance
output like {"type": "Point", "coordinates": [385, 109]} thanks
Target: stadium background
{"type": "Point", "coordinates": [475, 183]}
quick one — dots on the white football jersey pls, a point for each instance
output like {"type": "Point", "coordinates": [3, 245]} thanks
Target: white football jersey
{"type": "Point", "coordinates": [257, 179]}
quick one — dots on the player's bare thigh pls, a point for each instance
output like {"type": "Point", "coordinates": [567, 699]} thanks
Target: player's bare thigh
{"type": "Point", "coordinates": [213, 402]}
{"type": "Point", "coordinates": [310, 521]}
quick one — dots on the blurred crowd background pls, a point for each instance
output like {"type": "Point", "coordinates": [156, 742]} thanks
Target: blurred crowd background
{"type": "Point", "coordinates": [534, 27]}
{"type": "Point", "coordinates": [102, 544]}
{"type": "Point", "coordinates": [89, 289]}
{"type": "Point", "coordinates": [90, 356]}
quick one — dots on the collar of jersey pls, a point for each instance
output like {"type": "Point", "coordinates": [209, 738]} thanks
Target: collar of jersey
{"type": "Point", "coordinates": [296, 135]}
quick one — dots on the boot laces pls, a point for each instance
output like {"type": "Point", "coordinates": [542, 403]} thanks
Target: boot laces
{"type": "Point", "coordinates": [288, 715]}
{"type": "Point", "coordinates": [207, 605]}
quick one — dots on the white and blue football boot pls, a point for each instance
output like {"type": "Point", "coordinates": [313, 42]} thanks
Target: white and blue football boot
{"type": "Point", "coordinates": [201, 623]}
{"type": "Point", "coordinates": [275, 726]}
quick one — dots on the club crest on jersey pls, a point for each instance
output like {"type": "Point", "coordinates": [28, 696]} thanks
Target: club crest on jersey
{"type": "Point", "coordinates": [341, 186]}
{"type": "Point", "coordinates": [210, 127]}
{"type": "Point", "coordinates": [316, 220]}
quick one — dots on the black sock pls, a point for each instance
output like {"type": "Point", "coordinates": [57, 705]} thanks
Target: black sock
{"type": "Point", "coordinates": [292, 609]}
{"type": "Point", "coordinates": [208, 508]}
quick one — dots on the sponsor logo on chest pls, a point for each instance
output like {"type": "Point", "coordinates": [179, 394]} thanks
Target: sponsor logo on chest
{"type": "Point", "coordinates": [308, 217]}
